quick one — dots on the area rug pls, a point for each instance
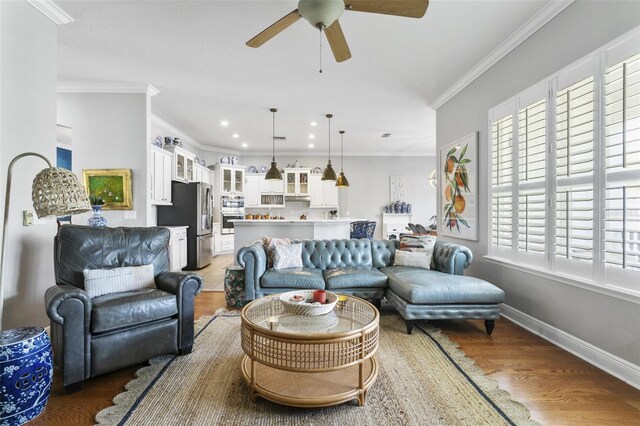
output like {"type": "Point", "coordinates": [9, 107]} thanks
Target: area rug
{"type": "Point", "coordinates": [424, 379]}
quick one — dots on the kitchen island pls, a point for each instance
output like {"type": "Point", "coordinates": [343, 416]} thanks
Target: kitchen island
{"type": "Point", "coordinates": [247, 231]}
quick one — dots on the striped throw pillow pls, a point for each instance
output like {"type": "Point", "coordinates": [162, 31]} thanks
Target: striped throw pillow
{"type": "Point", "coordinates": [98, 282]}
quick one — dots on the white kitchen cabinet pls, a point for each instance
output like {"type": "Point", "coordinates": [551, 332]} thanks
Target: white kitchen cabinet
{"type": "Point", "coordinates": [271, 186]}
{"type": "Point", "coordinates": [183, 164]}
{"type": "Point", "coordinates": [231, 179]}
{"type": "Point", "coordinates": [296, 181]}
{"type": "Point", "coordinates": [160, 166]}
{"type": "Point", "coordinates": [222, 243]}
{"type": "Point", "coordinates": [201, 174]}
{"type": "Point", "coordinates": [178, 248]}
{"type": "Point", "coordinates": [252, 186]}
{"type": "Point", "coordinates": [323, 193]}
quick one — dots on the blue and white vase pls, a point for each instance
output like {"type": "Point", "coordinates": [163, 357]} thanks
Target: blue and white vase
{"type": "Point", "coordinates": [97, 220]}
{"type": "Point", "coordinates": [26, 365]}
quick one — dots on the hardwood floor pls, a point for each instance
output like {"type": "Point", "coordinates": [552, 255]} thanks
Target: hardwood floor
{"type": "Point", "coordinates": [558, 388]}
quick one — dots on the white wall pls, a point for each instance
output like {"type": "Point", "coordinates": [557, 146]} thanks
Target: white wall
{"type": "Point", "coordinates": [109, 132]}
{"type": "Point", "coordinates": [368, 192]}
{"type": "Point", "coordinates": [608, 323]}
{"type": "Point", "coordinates": [28, 79]}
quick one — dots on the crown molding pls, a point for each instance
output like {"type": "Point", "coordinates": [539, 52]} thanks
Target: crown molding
{"type": "Point", "coordinates": [188, 139]}
{"type": "Point", "coordinates": [336, 157]}
{"type": "Point", "coordinates": [148, 89]}
{"type": "Point", "coordinates": [52, 11]}
{"type": "Point", "coordinates": [547, 13]}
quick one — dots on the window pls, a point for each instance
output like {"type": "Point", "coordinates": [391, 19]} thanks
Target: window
{"type": "Point", "coordinates": [565, 170]}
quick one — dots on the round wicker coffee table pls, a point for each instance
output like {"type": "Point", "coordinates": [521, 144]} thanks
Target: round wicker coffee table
{"type": "Point", "coordinates": [310, 361]}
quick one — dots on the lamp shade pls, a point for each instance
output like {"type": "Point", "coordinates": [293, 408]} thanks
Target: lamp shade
{"type": "Point", "coordinates": [57, 192]}
{"type": "Point", "coordinates": [342, 181]}
{"type": "Point", "coordinates": [329, 173]}
{"type": "Point", "coordinates": [273, 173]}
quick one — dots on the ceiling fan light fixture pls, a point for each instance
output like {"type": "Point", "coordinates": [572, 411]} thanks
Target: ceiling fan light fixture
{"type": "Point", "coordinates": [274, 172]}
{"type": "Point", "coordinates": [321, 13]}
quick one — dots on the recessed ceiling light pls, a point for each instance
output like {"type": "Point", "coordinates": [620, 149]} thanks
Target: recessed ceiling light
{"type": "Point", "coordinates": [235, 136]}
{"type": "Point", "coordinates": [312, 136]}
{"type": "Point", "coordinates": [244, 145]}
{"type": "Point", "coordinates": [313, 123]}
{"type": "Point", "coordinates": [311, 145]}
{"type": "Point", "coordinates": [224, 123]}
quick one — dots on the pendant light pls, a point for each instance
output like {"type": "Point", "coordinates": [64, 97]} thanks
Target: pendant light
{"type": "Point", "coordinates": [329, 173]}
{"type": "Point", "coordinates": [273, 173]}
{"type": "Point", "coordinates": [342, 181]}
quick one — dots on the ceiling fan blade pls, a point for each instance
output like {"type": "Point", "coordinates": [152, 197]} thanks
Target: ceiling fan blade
{"type": "Point", "coordinates": [408, 8]}
{"type": "Point", "coordinates": [274, 29]}
{"type": "Point", "coordinates": [338, 43]}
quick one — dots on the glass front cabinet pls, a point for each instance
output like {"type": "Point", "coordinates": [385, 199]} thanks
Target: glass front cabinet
{"type": "Point", "coordinates": [231, 179]}
{"type": "Point", "coordinates": [296, 181]}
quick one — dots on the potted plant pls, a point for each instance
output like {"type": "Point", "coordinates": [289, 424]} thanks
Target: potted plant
{"type": "Point", "coordinates": [97, 219]}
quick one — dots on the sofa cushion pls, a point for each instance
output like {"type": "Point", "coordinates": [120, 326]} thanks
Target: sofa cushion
{"type": "Point", "coordinates": [329, 254]}
{"type": "Point", "coordinates": [118, 310]}
{"type": "Point", "coordinates": [293, 278]}
{"type": "Point", "coordinates": [354, 277]}
{"type": "Point", "coordinates": [422, 286]}
{"type": "Point", "coordinates": [98, 282]}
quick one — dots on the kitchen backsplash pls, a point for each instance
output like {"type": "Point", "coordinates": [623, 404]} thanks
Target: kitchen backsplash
{"type": "Point", "coordinates": [293, 210]}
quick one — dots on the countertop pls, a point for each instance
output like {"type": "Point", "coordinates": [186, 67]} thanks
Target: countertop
{"type": "Point", "coordinates": [289, 221]}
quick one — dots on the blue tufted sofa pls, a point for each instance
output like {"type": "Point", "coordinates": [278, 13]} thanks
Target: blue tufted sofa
{"type": "Point", "coordinates": [364, 268]}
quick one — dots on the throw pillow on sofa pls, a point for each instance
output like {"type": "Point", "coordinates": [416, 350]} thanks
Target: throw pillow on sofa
{"type": "Point", "coordinates": [98, 282]}
{"type": "Point", "coordinates": [417, 252]}
{"type": "Point", "coordinates": [269, 244]}
{"type": "Point", "coordinates": [417, 259]}
{"type": "Point", "coordinates": [287, 256]}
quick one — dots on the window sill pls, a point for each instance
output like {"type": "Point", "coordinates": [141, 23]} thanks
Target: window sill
{"type": "Point", "coordinates": [609, 290]}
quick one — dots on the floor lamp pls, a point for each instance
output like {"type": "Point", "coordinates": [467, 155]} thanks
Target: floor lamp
{"type": "Point", "coordinates": [55, 192]}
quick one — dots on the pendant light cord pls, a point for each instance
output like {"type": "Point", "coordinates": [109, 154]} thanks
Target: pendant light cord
{"type": "Point", "coordinates": [320, 50]}
{"type": "Point", "coordinates": [273, 136]}
{"type": "Point", "coordinates": [342, 151]}
{"type": "Point", "coordinates": [329, 117]}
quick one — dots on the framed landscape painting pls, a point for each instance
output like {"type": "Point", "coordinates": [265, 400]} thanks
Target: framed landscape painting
{"type": "Point", "coordinates": [459, 188]}
{"type": "Point", "coordinates": [113, 185]}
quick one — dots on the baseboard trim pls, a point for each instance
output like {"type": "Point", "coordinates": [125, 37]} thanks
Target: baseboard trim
{"type": "Point", "coordinates": [612, 364]}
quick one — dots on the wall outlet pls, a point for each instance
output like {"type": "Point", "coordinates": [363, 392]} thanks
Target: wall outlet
{"type": "Point", "coordinates": [27, 217]}
{"type": "Point", "coordinates": [130, 215]}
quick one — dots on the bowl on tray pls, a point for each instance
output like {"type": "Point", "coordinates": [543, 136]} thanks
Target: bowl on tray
{"type": "Point", "coordinates": [306, 306]}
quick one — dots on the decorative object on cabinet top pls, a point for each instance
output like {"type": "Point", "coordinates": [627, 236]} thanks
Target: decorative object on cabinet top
{"type": "Point", "coordinates": [169, 141]}
{"type": "Point", "coordinates": [252, 169]}
{"type": "Point", "coordinates": [229, 159]}
{"type": "Point", "coordinates": [157, 141]}
{"type": "Point", "coordinates": [398, 207]}
{"type": "Point", "coordinates": [263, 169]}
{"type": "Point", "coordinates": [317, 170]}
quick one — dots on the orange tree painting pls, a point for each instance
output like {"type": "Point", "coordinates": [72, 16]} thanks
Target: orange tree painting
{"type": "Point", "coordinates": [458, 188]}
{"type": "Point", "coordinates": [456, 184]}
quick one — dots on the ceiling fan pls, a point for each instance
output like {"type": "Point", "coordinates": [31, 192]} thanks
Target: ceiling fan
{"type": "Point", "coordinates": [324, 14]}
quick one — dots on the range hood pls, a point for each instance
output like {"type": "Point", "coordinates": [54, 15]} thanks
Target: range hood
{"type": "Point", "coordinates": [302, 198]}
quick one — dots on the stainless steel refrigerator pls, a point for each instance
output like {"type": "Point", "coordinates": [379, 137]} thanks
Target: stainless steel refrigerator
{"type": "Point", "coordinates": [191, 207]}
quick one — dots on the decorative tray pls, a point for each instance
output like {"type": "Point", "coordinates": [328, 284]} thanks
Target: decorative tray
{"type": "Point", "coordinates": [306, 306]}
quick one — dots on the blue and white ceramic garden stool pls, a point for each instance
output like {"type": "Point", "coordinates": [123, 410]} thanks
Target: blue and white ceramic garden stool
{"type": "Point", "coordinates": [26, 370]}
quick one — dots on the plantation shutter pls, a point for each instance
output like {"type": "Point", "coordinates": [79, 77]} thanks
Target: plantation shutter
{"type": "Point", "coordinates": [532, 146]}
{"type": "Point", "coordinates": [574, 210]}
{"type": "Point", "coordinates": [502, 179]}
{"type": "Point", "coordinates": [622, 168]}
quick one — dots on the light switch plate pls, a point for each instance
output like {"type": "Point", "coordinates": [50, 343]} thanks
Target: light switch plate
{"type": "Point", "coordinates": [130, 215]}
{"type": "Point", "coordinates": [27, 217]}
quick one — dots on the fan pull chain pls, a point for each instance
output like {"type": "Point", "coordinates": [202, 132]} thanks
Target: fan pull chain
{"type": "Point", "coordinates": [320, 50]}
